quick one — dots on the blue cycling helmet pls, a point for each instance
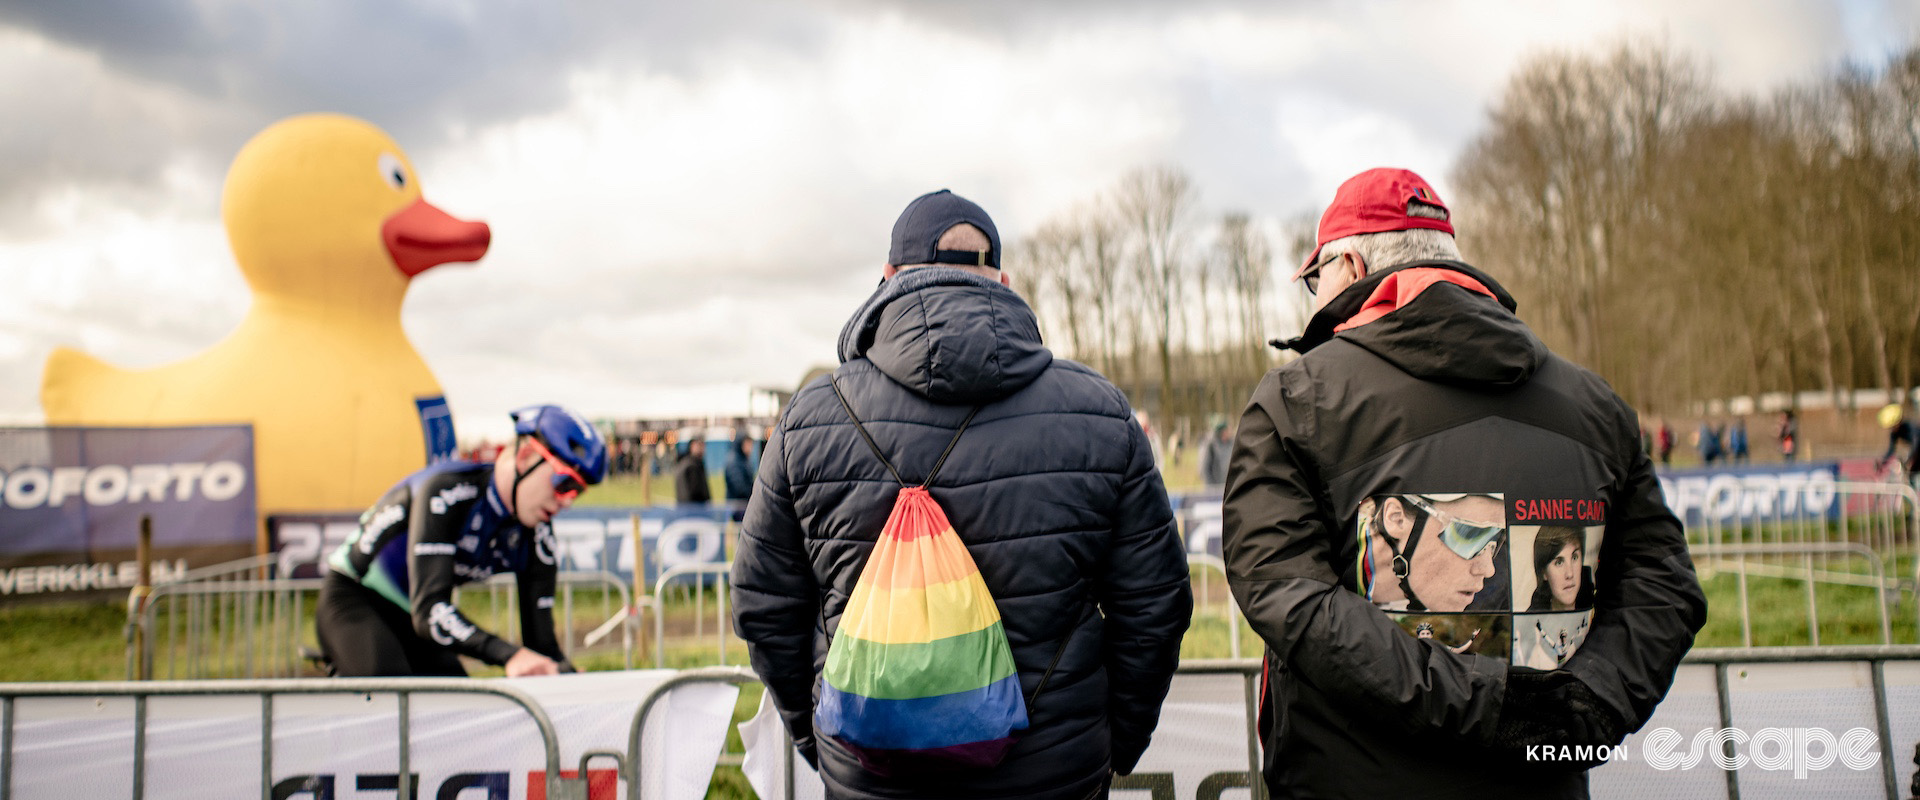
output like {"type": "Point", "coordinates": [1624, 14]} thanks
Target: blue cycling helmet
{"type": "Point", "coordinates": [571, 438]}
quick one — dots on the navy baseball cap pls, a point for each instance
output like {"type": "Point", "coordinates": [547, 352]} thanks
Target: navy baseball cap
{"type": "Point", "coordinates": [916, 235]}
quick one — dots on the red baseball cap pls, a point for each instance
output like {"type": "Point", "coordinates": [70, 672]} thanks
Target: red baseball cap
{"type": "Point", "coordinates": [1377, 201]}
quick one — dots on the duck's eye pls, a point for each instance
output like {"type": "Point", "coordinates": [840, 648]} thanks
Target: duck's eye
{"type": "Point", "coordinates": [392, 171]}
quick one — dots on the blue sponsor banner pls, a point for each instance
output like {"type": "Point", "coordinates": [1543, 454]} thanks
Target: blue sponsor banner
{"type": "Point", "coordinates": [589, 539]}
{"type": "Point", "coordinates": [1199, 516]}
{"type": "Point", "coordinates": [436, 427]}
{"type": "Point", "coordinates": [71, 499]}
{"type": "Point", "coordinates": [1751, 494]}
{"type": "Point", "coordinates": [1733, 495]}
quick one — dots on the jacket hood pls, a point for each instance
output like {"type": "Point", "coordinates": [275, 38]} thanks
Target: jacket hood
{"type": "Point", "coordinates": [1448, 333]}
{"type": "Point", "coordinates": [948, 335]}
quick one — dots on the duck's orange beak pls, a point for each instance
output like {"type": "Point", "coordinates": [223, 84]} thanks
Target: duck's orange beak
{"type": "Point", "coordinates": [421, 236]}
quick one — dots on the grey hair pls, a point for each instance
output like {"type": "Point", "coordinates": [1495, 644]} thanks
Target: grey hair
{"type": "Point", "coordinates": [1393, 248]}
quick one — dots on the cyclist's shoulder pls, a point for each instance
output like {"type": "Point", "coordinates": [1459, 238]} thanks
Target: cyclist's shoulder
{"type": "Point", "coordinates": [444, 475]}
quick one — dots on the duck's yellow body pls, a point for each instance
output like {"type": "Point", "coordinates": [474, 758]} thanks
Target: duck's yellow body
{"type": "Point", "coordinates": [327, 224]}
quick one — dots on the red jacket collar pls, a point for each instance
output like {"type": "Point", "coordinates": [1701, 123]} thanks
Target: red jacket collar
{"type": "Point", "coordinates": [1401, 287]}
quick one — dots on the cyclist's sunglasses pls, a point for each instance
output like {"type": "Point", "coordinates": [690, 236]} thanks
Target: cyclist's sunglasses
{"type": "Point", "coordinates": [1465, 539]}
{"type": "Point", "coordinates": [567, 483]}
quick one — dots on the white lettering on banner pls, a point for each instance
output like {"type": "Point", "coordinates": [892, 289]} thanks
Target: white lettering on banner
{"type": "Point", "coordinates": [446, 624]}
{"type": "Point", "coordinates": [223, 481]}
{"type": "Point", "coordinates": [105, 485]}
{"type": "Point", "coordinates": [1726, 497]}
{"type": "Point", "coordinates": [434, 549]}
{"type": "Point", "coordinates": [64, 748]}
{"type": "Point", "coordinates": [66, 483]}
{"type": "Point", "coordinates": [1203, 526]}
{"type": "Point", "coordinates": [579, 542]}
{"type": "Point", "coordinates": [26, 488]}
{"type": "Point", "coordinates": [309, 542]}
{"type": "Point", "coordinates": [689, 540]}
{"type": "Point", "coordinates": [112, 484]}
{"type": "Point", "coordinates": [149, 483]}
{"type": "Point", "coordinates": [83, 577]}
{"type": "Point", "coordinates": [184, 475]}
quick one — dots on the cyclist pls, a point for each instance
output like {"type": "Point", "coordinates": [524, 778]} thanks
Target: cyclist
{"type": "Point", "coordinates": [386, 607]}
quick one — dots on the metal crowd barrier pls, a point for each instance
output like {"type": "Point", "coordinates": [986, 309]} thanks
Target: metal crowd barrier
{"type": "Point", "coordinates": [1875, 522]}
{"type": "Point", "coordinates": [237, 620]}
{"type": "Point", "coordinates": [403, 689]}
{"type": "Point", "coordinates": [1208, 564]}
{"type": "Point", "coordinates": [723, 624]}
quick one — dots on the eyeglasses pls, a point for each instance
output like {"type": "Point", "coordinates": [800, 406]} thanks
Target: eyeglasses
{"type": "Point", "coordinates": [1312, 276]}
{"type": "Point", "coordinates": [1465, 539]}
{"type": "Point", "coordinates": [567, 483]}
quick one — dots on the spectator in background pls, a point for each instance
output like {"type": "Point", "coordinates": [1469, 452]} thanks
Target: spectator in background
{"type": "Point", "coordinates": [1737, 441]}
{"type": "Point", "coordinates": [1664, 441]}
{"type": "Point", "coordinates": [1708, 442]}
{"type": "Point", "coordinates": [690, 475]}
{"type": "Point", "coordinates": [1789, 435]}
{"type": "Point", "coordinates": [1214, 455]}
{"type": "Point", "coordinates": [1900, 431]}
{"type": "Point", "coordinates": [739, 474]}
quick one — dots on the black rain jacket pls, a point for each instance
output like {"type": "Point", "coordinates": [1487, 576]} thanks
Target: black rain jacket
{"type": "Point", "coordinates": [1447, 393]}
{"type": "Point", "coordinates": [1052, 487]}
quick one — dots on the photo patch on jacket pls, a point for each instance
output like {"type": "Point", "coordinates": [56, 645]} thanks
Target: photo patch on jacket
{"type": "Point", "coordinates": [1481, 573]}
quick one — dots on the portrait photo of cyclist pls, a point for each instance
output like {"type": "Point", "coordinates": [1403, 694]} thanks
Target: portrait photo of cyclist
{"type": "Point", "coordinates": [1435, 552]}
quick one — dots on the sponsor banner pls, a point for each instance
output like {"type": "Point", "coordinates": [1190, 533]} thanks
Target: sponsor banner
{"type": "Point", "coordinates": [1199, 516]}
{"type": "Point", "coordinates": [341, 746]}
{"type": "Point", "coordinates": [588, 540]}
{"type": "Point", "coordinates": [1753, 494]}
{"type": "Point", "coordinates": [71, 500]}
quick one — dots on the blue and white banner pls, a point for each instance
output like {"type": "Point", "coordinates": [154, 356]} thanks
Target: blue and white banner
{"type": "Point", "coordinates": [590, 539]}
{"type": "Point", "coordinates": [71, 500]}
{"type": "Point", "coordinates": [1199, 516]}
{"type": "Point", "coordinates": [1751, 494]}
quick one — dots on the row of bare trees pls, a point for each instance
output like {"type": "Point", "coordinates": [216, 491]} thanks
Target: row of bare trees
{"type": "Point", "coordinates": [1174, 309]}
{"type": "Point", "coordinates": [1684, 242]}
{"type": "Point", "coordinates": [1688, 243]}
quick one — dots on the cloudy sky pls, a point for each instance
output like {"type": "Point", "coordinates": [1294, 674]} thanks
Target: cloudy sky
{"type": "Point", "coordinates": [688, 199]}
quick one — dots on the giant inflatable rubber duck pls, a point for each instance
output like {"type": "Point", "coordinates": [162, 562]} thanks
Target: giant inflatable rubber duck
{"type": "Point", "coordinates": [326, 220]}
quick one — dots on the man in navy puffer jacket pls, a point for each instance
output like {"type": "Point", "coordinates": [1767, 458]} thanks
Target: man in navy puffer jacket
{"type": "Point", "coordinates": [1052, 487]}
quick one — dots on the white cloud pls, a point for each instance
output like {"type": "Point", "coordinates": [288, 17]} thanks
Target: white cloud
{"type": "Point", "coordinates": [668, 235]}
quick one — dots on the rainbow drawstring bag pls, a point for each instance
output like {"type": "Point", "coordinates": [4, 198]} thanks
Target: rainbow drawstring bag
{"type": "Point", "coordinates": [920, 677]}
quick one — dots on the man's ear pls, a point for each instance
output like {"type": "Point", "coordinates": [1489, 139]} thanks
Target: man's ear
{"type": "Point", "coordinates": [1004, 280]}
{"type": "Point", "coordinates": [887, 272]}
{"type": "Point", "coordinates": [1394, 520]}
{"type": "Point", "coordinates": [525, 457]}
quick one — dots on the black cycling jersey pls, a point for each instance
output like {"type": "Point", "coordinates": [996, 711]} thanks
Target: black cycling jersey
{"type": "Point", "coordinates": [442, 527]}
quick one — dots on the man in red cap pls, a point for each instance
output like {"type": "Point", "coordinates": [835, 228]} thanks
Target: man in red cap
{"type": "Point", "coordinates": [1400, 469]}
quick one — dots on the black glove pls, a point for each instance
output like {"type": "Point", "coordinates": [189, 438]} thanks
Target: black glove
{"type": "Point", "coordinates": [1529, 713]}
{"type": "Point", "coordinates": [1554, 709]}
{"type": "Point", "coordinates": [1590, 720]}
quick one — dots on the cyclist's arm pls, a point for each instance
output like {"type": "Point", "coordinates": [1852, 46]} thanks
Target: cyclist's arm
{"type": "Point", "coordinates": [537, 581]}
{"type": "Point", "coordinates": [432, 540]}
